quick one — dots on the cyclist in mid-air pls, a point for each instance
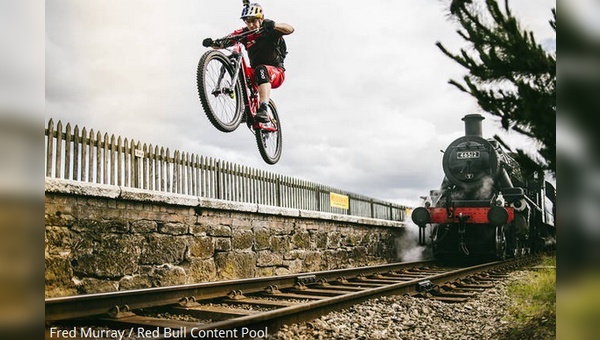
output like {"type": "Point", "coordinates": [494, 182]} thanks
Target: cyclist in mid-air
{"type": "Point", "coordinates": [266, 51]}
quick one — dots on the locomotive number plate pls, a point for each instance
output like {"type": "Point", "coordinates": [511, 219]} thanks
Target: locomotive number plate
{"type": "Point", "coordinates": [467, 154]}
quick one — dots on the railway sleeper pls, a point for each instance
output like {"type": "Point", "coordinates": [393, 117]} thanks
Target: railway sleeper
{"type": "Point", "coordinates": [396, 277]}
{"type": "Point", "coordinates": [407, 275]}
{"type": "Point", "coordinates": [447, 299]}
{"type": "Point", "coordinates": [485, 279]}
{"type": "Point", "coordinates": [418, 272]}
{"type": "Point", "coordinates": [431, 270]}
{"type": "Point", "coordinates": [406, 278]}
{"type": "Point", "coordinates": [388, 281]}
{"type": "Point", "coordinates": [325, 292]}
{"type": "Point", "coordinates": [213, 312]}
{"type": "Point", "coordinates": [472, 288]}
{"type": "Point", "coordinates": [463, 287]}
{"type": "Point", "coordinates": [296, 296]}
{"type": "Point", "coordinates": [323, 284]}
{"type": "Point", "coordinates": [473, 285]}
{"type": "Point", "coordinates": [347, 289]}
{"type": "Point", "coordinates": [454, 292]}
{"type": "Point", "coordinates": [364, 284]}
{"type": "Point", "coordinates": [261, 302]}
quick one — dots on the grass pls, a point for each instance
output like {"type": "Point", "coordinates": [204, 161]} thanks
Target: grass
{"type": "Point", "coordinates": [533, 304]}
{"type": "Point", "coordinates": [579, 304]}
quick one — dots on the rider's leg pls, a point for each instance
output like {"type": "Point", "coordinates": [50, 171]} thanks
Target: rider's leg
{"type": "Point", "coordinates": [266, 77]}
{"type": "Point", "coordinates": [262, 77]}
{"type": "Point", "coordinates": [263, 81]}
{"type": "Point", "coordinates": [264, 92]}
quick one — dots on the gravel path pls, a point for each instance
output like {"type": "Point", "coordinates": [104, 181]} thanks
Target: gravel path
{"type": "Point", "coordinates": [399, 317]}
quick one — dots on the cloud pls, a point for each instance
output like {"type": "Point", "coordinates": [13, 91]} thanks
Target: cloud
{"type": "Point", "coordinates": [365, 106]}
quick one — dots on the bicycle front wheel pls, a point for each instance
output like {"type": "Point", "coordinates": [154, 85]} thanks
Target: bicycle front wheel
{"type": "Point", "coordinates": [221, 99]}
{"type": "Point", "coordinates": [268, 138]}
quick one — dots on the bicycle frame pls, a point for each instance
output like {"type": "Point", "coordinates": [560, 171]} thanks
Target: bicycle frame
{"type": "Point", "coordinates": [245, 74]}
{"type": "Point", "coordinates": [243, 70]}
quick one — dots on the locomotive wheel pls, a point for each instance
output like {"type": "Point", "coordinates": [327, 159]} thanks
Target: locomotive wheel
{"type": "Point", "coordinates": [500, 243]}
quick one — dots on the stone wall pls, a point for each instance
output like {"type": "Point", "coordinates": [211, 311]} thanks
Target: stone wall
{"type": "Point", "coordinates": [103, 238]}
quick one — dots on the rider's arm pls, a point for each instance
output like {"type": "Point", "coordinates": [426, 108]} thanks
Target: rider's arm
{"type": "Point", "coordinates": [280, 27]}
{"type": "Point", "coordinates": [223, 42]}
{"type": "Point", "coordinates": [284, 28]}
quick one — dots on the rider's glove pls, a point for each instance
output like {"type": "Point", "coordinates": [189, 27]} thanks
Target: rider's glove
{"type": "Point", "coordinates": [207, 42]}
{"type": "Point", "coordinates": [268, 24]}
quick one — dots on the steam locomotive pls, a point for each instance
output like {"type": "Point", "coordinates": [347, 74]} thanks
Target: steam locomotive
{"type": "Point", "coordinates": [487, 207]}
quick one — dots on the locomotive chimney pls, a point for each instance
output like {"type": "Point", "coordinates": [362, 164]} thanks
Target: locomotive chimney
{"type": "Point", "coordinates": [473, 125]}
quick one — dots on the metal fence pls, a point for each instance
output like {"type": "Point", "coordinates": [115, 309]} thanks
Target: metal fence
{"type": "Point", "coordinates": [93, 157]}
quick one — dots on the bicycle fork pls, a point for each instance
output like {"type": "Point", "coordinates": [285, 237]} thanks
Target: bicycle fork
{"type": "Point", "coordinates": [235, 59]}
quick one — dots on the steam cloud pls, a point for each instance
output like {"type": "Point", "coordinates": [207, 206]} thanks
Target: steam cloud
{"type": "Point", "coordinates": [407, 245]}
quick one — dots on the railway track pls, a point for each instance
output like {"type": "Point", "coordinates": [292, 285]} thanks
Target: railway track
{"type": "Point", "coordinates": [253, 308]}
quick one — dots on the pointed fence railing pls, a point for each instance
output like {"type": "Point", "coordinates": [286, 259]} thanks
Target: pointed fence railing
{"type": "Point", "coordinates": [94, 157]}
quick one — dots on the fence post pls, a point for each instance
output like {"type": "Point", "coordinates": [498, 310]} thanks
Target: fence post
{"type": "Point", "coordinates": [59, 135]}
{"type": "Point", "coordinates": [50, 148]}
{"type": "Point", "coordinates": [318, 196]}
{"type": "Point", "coordinates": [218, 178]}
{"type": "Point", "coordinates": [76, 147]}
{"type": "Point", "coordinates": [133, 164]}
{"type": "Point", "coordinates": [105, 159]}
{"type": "Point", "coordinates": [68, 152]}
{"type": "Point", "coordinates": [278, 190]}
{"type": "Point", "coordinates": [349, 210]}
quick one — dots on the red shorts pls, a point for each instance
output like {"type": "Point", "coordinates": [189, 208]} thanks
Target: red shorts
{"type": "Point", "coordinates": [276, 75]}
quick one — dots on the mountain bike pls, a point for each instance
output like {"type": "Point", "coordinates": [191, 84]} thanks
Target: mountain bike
{"type": "Point", "coordinates": [229, 94]}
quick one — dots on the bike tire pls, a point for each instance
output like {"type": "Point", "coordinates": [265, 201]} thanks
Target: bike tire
{"type": "Point", "coordinates": [223, 110]}
{"type": "Point", "coordinates": [270, 142]}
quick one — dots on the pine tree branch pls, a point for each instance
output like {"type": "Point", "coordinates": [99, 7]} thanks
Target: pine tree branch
{"type": "Point", "coordinates": [510, 75]}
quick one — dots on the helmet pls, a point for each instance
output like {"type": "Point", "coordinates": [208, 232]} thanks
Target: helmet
{"type": "Point", "coordinates": [252, 10]}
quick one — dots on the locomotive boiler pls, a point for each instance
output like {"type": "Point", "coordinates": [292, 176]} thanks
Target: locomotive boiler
{"type": "Point", "coordinates": [486, 207]}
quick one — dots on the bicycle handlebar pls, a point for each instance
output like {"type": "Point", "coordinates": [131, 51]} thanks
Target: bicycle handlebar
{"type": "Point", "coordinates": [230, 39]}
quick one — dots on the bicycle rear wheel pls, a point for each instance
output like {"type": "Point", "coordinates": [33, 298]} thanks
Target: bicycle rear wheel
{"type": "Point", "coordinates": [268, 139]}
{"type": "Point", "coordinates": [221, 101]}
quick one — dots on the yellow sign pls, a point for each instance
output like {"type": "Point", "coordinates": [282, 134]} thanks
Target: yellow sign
{"type": "Point", "coordinates": [338, 201]}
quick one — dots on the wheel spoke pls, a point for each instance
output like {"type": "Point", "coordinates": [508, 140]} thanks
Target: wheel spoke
{"type": "Point", "coordinates": [220, 97]}
{"type": "Point", "coordinates": [269, 142]}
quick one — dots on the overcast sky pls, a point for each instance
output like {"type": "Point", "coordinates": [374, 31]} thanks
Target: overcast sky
{"type": "Point", "coordinates": [366, 105]}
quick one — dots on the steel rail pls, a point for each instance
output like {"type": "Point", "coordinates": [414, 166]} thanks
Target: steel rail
{"type": "Point", "coordinates": [311, 310]}
{"type": "Point", "coordinates": [306, 311]}
{"type": "Point", "coordinates": [80, 306]}
{"type": "Point", "coordinates": [392, 279]}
